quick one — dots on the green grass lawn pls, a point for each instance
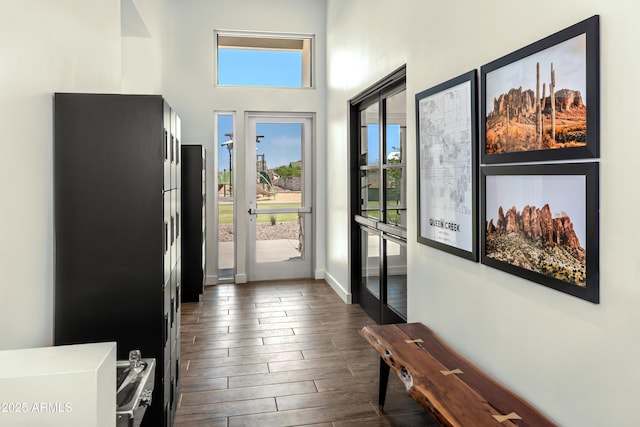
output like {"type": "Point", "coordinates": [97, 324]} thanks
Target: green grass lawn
{"type": "Point", "coordinates": [225, 213]}
{"type": "Point", "coordinates": [393, 215]}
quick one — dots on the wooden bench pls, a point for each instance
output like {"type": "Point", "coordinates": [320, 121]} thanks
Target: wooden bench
{"type": "Point", "coordinates": [447, 385]}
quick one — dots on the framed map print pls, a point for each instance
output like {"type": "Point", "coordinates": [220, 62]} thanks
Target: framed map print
{"type": "Point", "coordinates": [446, 122]}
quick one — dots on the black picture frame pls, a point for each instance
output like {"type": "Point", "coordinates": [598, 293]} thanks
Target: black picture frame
{"type": "Point", "coordinates": [510, 129]}
{"type": "Point", "coordinates": [548, 255]}
{"type": "Point", "coordinates": [447, 159]}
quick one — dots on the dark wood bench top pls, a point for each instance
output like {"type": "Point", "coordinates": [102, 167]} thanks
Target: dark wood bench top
{"type": "Point", "coordinates": [450, 387]}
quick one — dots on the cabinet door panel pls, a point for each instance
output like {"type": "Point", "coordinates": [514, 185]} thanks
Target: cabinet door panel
{"type": "Point", "coordinates": [178, 136]}
{"type": "Point", "coordinates": [193, 222]}
{"type": "Point", "coordinates": [178, 209]}
{"type": "Point", "coordinates": [173, 155]}
{"type": "Point", "coordinates": [173, 304]}
{"type": "Point", "coordinates": [166, 150]}
{"type": "Point", "coordinates": [166, 238]}
{"type": "Point", "coordinates": [174, 228]}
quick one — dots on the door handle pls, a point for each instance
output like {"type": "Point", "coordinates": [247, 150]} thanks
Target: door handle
{"type": "Point", "coordinates": [301, 210]}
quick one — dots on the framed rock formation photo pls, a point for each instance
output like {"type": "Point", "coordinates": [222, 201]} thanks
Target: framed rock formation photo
{"type": "Point", "coordinates": [542, 102]}
{"type": "Point", "coordinates": [541, 223]}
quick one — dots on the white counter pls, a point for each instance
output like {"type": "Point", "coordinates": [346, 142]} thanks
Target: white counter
{"type": "Point", "coordinates": [70, 386]}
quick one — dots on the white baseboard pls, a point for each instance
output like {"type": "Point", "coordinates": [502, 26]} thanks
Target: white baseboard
{"type": "Point", "coordinates": [344, 294]}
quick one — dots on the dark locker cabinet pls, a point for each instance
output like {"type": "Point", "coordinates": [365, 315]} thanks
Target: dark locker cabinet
{"type": "Point", "coordinates": [117, 228]}
{"type": "Point", "coordinates": [193, 220]}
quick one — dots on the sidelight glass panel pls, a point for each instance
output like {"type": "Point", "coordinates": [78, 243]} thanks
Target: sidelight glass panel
{"type": "Point", "coordinates": [370, 261]}
{"type": "Point", "coordinates": [225, 169]}
{"type": "Point", "coordinates": [226, 241]}
{"type": "Point", "coordinates": [396, 277]}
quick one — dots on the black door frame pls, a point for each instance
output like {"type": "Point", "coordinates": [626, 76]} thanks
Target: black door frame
{"type": "Point", "coordinates": [376, 308]}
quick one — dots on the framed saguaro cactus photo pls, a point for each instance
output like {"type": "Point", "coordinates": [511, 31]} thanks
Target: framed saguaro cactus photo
{"type": "Point", "coordinates": [541, 102]}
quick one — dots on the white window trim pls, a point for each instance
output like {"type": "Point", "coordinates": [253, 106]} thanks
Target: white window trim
{"type": "Point", "coordinates": [308, 52]}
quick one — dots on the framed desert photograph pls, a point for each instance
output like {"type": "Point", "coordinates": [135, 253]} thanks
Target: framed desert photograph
{"type": "Point", "coordinates": [541, 102]}
{"type": "Point", "coordinates": [446, 122]}
{"type": "Point", "coordinates": [541, 223]}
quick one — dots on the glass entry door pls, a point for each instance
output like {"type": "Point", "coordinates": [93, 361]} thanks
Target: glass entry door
{"type": "Point", "coordinates": [378, 204]}
{"type": "Point", "coordinates": [279, 189]}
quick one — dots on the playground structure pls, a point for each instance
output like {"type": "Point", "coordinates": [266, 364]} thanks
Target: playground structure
{"type": "Point", "coordinates": [264, 184]}
{"type": "Point", "coordinates": [224, 190]}
{"type": "Point", "coordinates": [266, 179]}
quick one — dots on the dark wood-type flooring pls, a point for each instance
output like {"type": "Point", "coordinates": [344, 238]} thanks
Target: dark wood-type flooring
{"type": "Point", "coordinates": [283, 353]}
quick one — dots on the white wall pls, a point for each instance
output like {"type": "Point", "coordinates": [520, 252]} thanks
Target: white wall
{"type": "Point", "coordinates": [576, 361]}
{"type": "Point", "coordinates": [191, 90]}
{"type": "Point", "coordinates": [143, 56]}
{"type": "Point", "coordinates": [67, 45]}
{"type": "Point", "coordinates": [47, 47]}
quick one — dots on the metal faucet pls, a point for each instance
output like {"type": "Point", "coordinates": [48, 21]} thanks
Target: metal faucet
{"type": "Point", "coordinates": [136, 365]}
{"type": "Point", "coordinates": [135, 359]}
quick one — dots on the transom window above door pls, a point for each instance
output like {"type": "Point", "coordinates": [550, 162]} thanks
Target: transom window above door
{"type": "Point", "coordinates": [264, 59]}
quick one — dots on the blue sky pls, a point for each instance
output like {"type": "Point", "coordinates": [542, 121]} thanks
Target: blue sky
{"type": "Point", "coordinates": [246, 67]}
{"type": "Point", "coordinates": [373, 139]}
{"type": "Point", "coordinates": [281, 144]}
{"type": "Point", "coordinates": [569, 62]}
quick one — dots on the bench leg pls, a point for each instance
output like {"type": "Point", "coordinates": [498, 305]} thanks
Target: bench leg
{"type": "Point", "coordinates": [384, 379]}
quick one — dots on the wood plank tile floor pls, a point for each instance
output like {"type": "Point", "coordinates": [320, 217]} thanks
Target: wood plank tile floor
{"type": "Point", "coordinates": [283, 353]}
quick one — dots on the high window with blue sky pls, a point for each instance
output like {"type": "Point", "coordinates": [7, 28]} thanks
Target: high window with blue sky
{"type": "Point", "coordinates": [261, 59]}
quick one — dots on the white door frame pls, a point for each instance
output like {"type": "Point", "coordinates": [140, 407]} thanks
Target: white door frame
{"type": "Point", "coordinates": [295, 268]}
